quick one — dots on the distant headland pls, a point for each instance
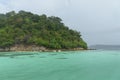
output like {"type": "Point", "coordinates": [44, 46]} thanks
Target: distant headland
{"type": "Point", "coordinates": [25, 31]}
{"type": "Point", "coordinates": [105, 47]}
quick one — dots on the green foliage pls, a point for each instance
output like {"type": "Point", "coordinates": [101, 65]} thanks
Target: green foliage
{"type": "Point", "coordinates": [28, 28]}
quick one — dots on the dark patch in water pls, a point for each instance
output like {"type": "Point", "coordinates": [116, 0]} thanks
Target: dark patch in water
{"type": "Point", "coordinates": [64, 53]}
{"type": "Point", "coordinates": [42, 57]}
{"type": "Point", "coordinates": [21, 54]}
{"type": "Point", "coordinates": [31, 56]}
{"type": "Point", "coordinates": [12, 56]}
{"type": "Point", "coordinates": [4, 56]}
{"type": "Point", "coordinates": [62, 58]}
{"type": "Point", "coordinates": [53, 54]}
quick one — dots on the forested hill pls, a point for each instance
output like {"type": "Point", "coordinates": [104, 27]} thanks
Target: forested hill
{"type": "Point", "coordinates": [32, 29]}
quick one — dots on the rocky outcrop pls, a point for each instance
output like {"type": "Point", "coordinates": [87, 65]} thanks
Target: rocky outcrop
{"type": "Point", "coordinates": [27, 48]}
{"type": "Point", "coordinates": [22, 47]}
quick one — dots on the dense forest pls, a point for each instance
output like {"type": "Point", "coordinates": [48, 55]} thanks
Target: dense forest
{"type": "Point", "coordinates": [32, 29]}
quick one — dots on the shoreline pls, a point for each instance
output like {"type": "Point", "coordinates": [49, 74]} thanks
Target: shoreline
{"type": "Point", "coordinates": [47, 50]}
{"type": "Point", "coordinates": [21, 48]}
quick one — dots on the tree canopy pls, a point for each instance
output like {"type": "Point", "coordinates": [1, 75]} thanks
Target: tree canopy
{"type": "Point", "coordinates": [28, 29]}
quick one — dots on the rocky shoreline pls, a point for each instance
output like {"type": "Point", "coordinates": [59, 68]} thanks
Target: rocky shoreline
{"type": "Point", "coordinates": [35, 48]}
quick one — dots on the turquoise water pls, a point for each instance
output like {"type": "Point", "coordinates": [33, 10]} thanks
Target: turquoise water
{"type": "Point", "coordinates": [72, 65]}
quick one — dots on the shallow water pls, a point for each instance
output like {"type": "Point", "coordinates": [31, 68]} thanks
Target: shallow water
{"type": "Point", "coordinates": [72, 65]}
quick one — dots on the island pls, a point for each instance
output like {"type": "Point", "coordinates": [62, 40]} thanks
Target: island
{"type": "Point", "coordinates": [26, 31]}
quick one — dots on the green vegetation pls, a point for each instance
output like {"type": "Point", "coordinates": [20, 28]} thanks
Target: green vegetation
{"type": "Point", "coordinates": [32, 29]}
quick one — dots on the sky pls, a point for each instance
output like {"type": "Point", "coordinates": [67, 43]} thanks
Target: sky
{"type": "Point", "coordinates": [97, 20]}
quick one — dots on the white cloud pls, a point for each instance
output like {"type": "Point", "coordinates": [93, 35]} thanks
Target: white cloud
{"type": "Point", "coordinates": [38, 6]}
{"type": "Point", "coordinates": [4, 8]}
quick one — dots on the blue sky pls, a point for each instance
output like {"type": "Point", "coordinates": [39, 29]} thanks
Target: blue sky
{"type": "Point", "coordinates": [97, 20]}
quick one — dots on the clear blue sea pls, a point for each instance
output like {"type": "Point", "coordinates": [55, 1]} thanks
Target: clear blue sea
{"type": "Point", "coordinates": [71, 65]}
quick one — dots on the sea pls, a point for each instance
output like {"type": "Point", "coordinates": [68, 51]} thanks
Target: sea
{"type": "Point", "coordinates": [65, 65]}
